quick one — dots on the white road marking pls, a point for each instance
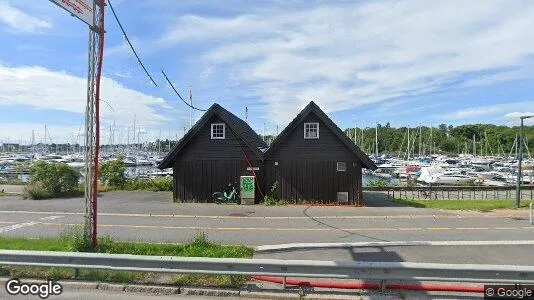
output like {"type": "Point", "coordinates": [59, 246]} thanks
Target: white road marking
{"type": "Point", "coordinates": [27, 224]}
{"type": "Point", "coordinates": [390, 244]}
{"type": "Point", "coordinates": [17, 226]}
{"type": "Point", "coordinates": [50, 218]}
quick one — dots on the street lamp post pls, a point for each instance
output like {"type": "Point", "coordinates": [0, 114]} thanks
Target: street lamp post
{"type": "Point", "coordinates": [520, 159]}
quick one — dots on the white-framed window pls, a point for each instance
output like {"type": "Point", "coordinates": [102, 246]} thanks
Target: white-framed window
{"type": "Point", "coordinates": [311, 130]}
{"type": "Point", "coordinates": [218, 131]}
{"type": "Point", "coordinates": [341, 166]}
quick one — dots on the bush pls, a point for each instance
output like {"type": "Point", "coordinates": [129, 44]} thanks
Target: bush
{"type": "Point", "coordinates": [35, 191]}
{"type": "Point", "coordinates": [112, 173]}
{"type": "Point", "coordinates": [271, 198]}
{"type": "Point", "coordinates": [75, 239]}
{"type": "Point", "coordinates": [52, 180]}
{"type": "Point", "coordinates": [155, 185]}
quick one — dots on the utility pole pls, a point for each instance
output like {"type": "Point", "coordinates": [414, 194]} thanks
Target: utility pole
{"type": "Point", "coordinates": [520, 159]}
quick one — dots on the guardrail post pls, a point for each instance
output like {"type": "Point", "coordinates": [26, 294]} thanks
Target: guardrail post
{"type": "Point", "coordinates": [76, 274]}
{"type": "Point", "coordinates": [531, 219]}
{"type": "Point", "coordinates": [382, 285]}
{"type": "Point", "coordinates": [284, 282]}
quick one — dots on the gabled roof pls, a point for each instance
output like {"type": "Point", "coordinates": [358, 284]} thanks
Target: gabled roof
{"type": "Point", "coordinates": [313, 108]}
{"type": "Point", "coordinates": [239, 127]}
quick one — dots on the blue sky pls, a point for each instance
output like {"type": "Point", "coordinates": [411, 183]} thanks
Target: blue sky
{"type": "Point", "coordinates": [403, 62]}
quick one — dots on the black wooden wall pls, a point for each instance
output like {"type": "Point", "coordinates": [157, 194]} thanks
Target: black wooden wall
{"type": "Point", "coordinates": [306, 168]}
{"type": "Point", "coordinates": [206, 166]}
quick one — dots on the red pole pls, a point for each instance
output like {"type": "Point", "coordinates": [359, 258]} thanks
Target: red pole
{"type": "Point", "coordinates": [94, 240]}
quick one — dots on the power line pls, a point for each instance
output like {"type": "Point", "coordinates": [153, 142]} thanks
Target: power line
{"type": "Point", "coordinates": [167, 78]}
{"type": "Point", "coordinates": [129, 43]}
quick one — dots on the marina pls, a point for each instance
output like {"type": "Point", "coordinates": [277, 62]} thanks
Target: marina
{"type": "Point", "coordinates": [432, 170]}
{"type": "Point", "coordinates": [445, 170]}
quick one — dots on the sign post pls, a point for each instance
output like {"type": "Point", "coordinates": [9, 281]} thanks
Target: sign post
{"type": "Point", "coordinates": [91, 12]}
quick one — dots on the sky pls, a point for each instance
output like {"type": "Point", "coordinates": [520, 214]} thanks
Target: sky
{"type": "Point", "coordinates": [363, 62]}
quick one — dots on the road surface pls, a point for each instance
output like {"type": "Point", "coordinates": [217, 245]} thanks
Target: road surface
{"type": "Point", "coordinates": [150, 216]}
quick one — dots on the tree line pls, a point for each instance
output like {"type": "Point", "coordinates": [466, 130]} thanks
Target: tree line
{"type": "Point", "coordinates": [482, 139]}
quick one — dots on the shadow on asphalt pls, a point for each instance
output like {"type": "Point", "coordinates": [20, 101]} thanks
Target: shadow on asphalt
{"type": "Point", "coordinates": [378, 199]}
{"type": "Point", "coordinates": [349, 233]}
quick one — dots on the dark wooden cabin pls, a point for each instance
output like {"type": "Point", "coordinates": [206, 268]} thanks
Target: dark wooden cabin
{"type": "Point", "coordinates": [312, 159]}
{"type": "Point", "coordinates": [216, 151]}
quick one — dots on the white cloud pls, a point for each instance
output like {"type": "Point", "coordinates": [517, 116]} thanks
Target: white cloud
{"type": "Point", "coordinates": [346, 55]}
{"type": "Point", "coordinates": [506, 109]}
{"type": "Point", "coordinates": [516, 115]}
{"type": "Point", "coordinates": [22, 133]}
{"type": "Point", "coordinates": [18, 20]}
{"type": "Point", "coordinates": [47, 89]}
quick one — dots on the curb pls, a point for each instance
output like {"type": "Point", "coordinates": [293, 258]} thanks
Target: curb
{"type": "Point", "coordinates": [204, 291]}
{"type": "Point", "coordinates": [310, 246]}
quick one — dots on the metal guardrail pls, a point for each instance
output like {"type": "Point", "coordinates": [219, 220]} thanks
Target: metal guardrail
{"type": "Point", "coordinates": [453, 192]}
{"type": "Point", "coordinates": [274, 267]}
{"type": "Point", "coordinates": [446, 188]}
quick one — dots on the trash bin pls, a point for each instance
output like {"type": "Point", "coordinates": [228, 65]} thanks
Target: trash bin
{"type": "Point", "coordinates": [247, 188]}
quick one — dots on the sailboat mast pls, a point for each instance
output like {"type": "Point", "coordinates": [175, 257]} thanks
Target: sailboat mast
{"type": "Point", "coordinates": [420, 136]}
{"type": "Point", "coordinates": [45, 146]}
{"type": "Point", "coordinates": [474, 145]}
{"type": "Point", "coordinates": [376, 141]}
{"type": "Point", "coordinates": [430, 151]}
{"type": "Point", "coordinates": [408, 149]}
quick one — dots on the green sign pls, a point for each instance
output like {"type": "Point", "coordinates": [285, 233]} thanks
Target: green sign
{"type": "Point", "coordinates": [247, 186]}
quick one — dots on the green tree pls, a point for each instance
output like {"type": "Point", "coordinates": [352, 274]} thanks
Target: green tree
{"type": "Point", "coordinates": [55, 178]}
{"type": "Point", "coordinates": [112, 172]}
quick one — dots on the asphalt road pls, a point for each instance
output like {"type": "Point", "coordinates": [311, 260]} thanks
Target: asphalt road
{"type": "Point", "coordinates": [148, 216]}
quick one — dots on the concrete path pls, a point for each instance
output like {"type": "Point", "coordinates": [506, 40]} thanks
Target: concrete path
{"type": "Point", "coordinates": [11, 189]}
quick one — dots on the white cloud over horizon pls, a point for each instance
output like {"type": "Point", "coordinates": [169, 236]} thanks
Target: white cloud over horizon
{"type": "Point", "coordinates": [346, 55]}
{"type": "Point", "coordinates": [22, 133]}
{"type": "Point", "coordinates": [17, 20]}
{"type": "Point", "coordinates": [404, 62]}
{"type": "Point", "coordinates": [42, 88]}
{"type": "Point", "coordinates": [508, 110]}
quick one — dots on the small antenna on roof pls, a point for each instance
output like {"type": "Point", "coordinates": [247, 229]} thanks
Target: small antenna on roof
{"type": "Point", "coordinates": [246, 114]}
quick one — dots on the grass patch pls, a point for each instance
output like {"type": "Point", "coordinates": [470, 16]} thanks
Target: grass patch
{"type": "Point", "coordinates": [210, 280]}
{"type": "Point", "coordinates": [71, 240]}
{"type": "Point", "coordinates": [480, 205]}
{"type": "Point", "coordinates": [36, 191]}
